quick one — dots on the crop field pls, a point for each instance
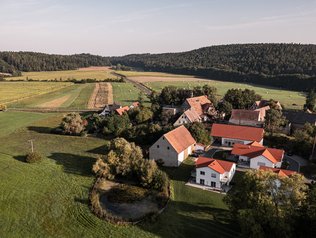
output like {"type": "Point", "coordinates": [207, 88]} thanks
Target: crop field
{"type": "Point", "coordinates": [98, 73]}
{"type": "Point", "coordinates": [74, 96]}
{"type": "Point", "coordinates": [50, 199]}
{"type": "Point", "coordinates": [290, 99]}
{"type": "Point", "coordinates": [12, 91]}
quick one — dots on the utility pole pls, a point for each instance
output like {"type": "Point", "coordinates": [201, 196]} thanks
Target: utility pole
{"type": "Point", "coordinates": [32, 145]}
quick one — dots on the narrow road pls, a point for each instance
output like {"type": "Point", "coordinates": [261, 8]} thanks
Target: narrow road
{"type": "Point", "coordinates": [139, 85]}
{"type": "Point", "coordinates": [44, 110]}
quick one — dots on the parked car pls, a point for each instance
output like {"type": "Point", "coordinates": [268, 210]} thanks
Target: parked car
{"type": "Point", "coordinates": [199, 152]}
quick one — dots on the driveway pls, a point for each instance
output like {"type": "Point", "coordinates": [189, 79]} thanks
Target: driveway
{"type": "Point", "coordinates": [294, 165]}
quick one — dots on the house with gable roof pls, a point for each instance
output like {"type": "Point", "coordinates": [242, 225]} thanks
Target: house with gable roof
{"type": "Point", "coordinates": [188, 116]}
{"type": "Point", "coordinates": [228, 135]}
{"type": "Point", "coordinates": [173, 147]}
{"type": "Point", "coordinates": [214, 173]}
{"type": "Point", "coordinates": [279, 172]}
{"type": "Point", "coordinates": [244, 117]}
{"type": "Point", "coordinates": [255, 155]}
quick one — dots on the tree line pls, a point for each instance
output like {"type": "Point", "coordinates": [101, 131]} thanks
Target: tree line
{"type": "Point", "coordinates": [291, 66]}
{"type": "Point", "coordinates": [15, 62]}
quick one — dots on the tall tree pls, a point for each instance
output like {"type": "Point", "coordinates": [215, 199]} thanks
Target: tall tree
{"type": "Point", "coordinates": [265, 203]}
{"type": "Point", "coordinates": [274, 119]}
{"type": "Point", "coordinates": [311, 101]}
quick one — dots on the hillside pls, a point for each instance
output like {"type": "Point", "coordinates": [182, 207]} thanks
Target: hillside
{"type": "Point", "coordinates": [15, 62]}
{"type": "Point", "coordinates": [290, 66]}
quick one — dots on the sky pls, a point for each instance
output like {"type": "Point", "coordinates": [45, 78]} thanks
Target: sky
{"type": "Point", "coordinates": [120, 27]}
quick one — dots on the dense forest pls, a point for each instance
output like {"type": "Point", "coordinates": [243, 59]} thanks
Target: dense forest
{"type": "Point", "coordinates": [15, 62]}
{"type": "Point", "coordinates": [291, 66]}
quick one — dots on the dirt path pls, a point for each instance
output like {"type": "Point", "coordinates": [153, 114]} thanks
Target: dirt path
{"type": "Point", "coordinates": [56, 102]}
{"type": "Point", "coordinates": [102, 95]}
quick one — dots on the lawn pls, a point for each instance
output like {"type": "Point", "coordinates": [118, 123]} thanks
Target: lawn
{"type": "Point", "coordinates": [98, 74]}
{"type": "Point", "coordinates": [77, 96]}
{"type": "Point", "coordinates": [11, 91]}
{"type": "Point", "coordinates": [290, 99]}
{"type": "Point", "coordinates": [50, 199]}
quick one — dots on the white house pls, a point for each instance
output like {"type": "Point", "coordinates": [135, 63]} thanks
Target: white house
{"type": "Point", "coordinates": [255, 155]}
{"type": "Point", "coordinates": [173, 147]}
{"type": "Point", "coordinates": [214, 173]}
{"type": "Point", "coordinates": [228, 135]}
{"type": "Point", "coordinates": [188, 116]}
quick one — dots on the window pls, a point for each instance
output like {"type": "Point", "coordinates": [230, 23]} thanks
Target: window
{"type": "Point", "coordinates": [261, 164]}
{"type": "Point", "coordinates": [202, 173]}
{"type": "Point", "coordinates": [202, 181]}
{"type": "Point", "coordinates": [163, 138]}
{"type": "Point", "coordinates": [213, 175]}
{"type": "Point", "coordinates": [157, 146]}
{"type": "Point", "coordinates": [213, 184]}
{"type": "Point", "coordinates": [168, 148]}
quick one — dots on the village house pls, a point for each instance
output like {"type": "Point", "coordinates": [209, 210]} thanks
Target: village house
{"type": "Point", "coordinates": [228, 135]}
{"type": "Point", "coordinates": [297, 119]}
{"type": "Point", "coordinates": [255, 155]}
{"type": "Point", "coordinates": [280, 172]}
{"type": "Point", "coordinates": [196, 109]}
{"type": "Point", "coordinates": [188, 116]}
{"type": "Point", "coordinates": [121, 110]}
{"type": "Point", "coordinates": [214, 173]}
{"type": "Point", "coordinates": [173, 147]}
{"type": "Point", "coordinates": [247, 117]}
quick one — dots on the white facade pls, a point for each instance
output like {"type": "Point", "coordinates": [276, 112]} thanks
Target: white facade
{"type": "Point", "coordinates": [258, 161]}
{"type": "Point", "coordinates": [209, 177]}
{"type": "Point", "coordinates": [183, 119]}
{"type": "Point", "coordinates": [163, 150]}
{"type": "Point", "coordinates": [231, 142]}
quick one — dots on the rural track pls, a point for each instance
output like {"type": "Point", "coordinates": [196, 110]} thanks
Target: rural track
{"type": "Point", "coordinates": [139, 85]}
{"type": "Point", "coordinates": [52, 110]}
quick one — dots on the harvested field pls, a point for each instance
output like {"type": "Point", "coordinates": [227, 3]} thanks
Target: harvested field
{"type": "Point", "coordinates": [145, 79]}
{"type": "Point", "coordinates": [102, 95]}
{"type": "Point", "coordinates": [56, 102]}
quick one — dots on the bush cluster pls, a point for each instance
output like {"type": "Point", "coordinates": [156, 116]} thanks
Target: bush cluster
{"type": "Point", "coordinates": [33, 157]}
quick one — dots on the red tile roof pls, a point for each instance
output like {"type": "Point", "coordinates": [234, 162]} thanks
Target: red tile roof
{"type": "Point", "coordinates": [245, 115]}
{"type": "Point", "coordinates": [219, 166]}
{"type": "Point", "coordinates": [192, 115]}
{"type": "Point", "coordinates": [121, 110]}
{"type": "Point", "coordinates": [196, 103]}
{"type": "Point", "coordinates": [255, 149]}
{"type": "Point", "coordinates": [180, 138]}
{"type": "Point", "coordinates": [135, 104]}
{"type": "Point", "coordinates": [280, 172]}
{"type": "Point", "coordinates": [237, 132]}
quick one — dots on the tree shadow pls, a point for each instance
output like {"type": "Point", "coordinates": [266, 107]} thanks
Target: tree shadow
{"type": "Point", "coordinates": [182, 219]}
{"type": "Point", "coordinates": [84, 201]}
{"type": "Point", "coordinates": [21, 158]}
{"type": "Point", "coordinates": [41, 129]}
{"type": "Point", "coordinates": [74, 164]}
{"type": "Point", "coordinates": [101, 150]}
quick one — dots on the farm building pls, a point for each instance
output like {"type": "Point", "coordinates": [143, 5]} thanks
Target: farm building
{"type": "Point", "coordinates": [173, 147]}
{"type": "Point", "coordinates": [201, 105]}
{"type": "Point", "coordinates": [265, 103]}
{"type": "Point", "coordinates": [247, 117]}
{"type": "Point", "coordinates": [214, 173]}
{"type": "Point", "coordinates": [280, 172]}
{"type": "Point", "coordinates": [228, 135]}
{"type": "Point", "coordinates": [189, 116]}
{"type": "Point", "coordinates": [297, 119]}
{"type": "Point", "coordinates": [121, 110]}
{"type": "Point", "coordinates": [255, 155]}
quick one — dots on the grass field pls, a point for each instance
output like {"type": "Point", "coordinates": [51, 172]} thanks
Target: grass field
{"type": "Point", "coordinates": [149, 74]}
{"type": "Point", "coordinates": [98, 74]}
{"type": "Point", "coordinates": [286, 97]}
{"type": "Point", "coordinates": [77, 96]}
{"type": "Point", "coordinates": [11, 91]}
{"type": "Point", "coordinates": [125, 93]}
{"type": "Point", "coordinates": [50, 199]}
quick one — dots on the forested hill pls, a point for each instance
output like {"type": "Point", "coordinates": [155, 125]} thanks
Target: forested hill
{"type": "Point", "coordinates": [15, 62]}
{"type": "Point", "coordinates": [284, 65]}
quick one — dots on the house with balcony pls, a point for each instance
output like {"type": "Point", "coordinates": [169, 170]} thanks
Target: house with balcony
{"type": "Point", "coordinates": [214, 173]}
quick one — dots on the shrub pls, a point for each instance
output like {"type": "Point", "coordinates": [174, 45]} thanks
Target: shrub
{"type": "Point", "coordinates": [33, 157]}
{"type": "Point", "coordinates": [126, 194]}
{"type": "Point", "coordinates": [3, 107]}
